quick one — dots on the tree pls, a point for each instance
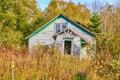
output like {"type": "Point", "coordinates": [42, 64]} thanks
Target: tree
{"type": "Point", "coordinates": [95, 22]}
{"type": "Point", "coordinates": [79, 13]}
{"type": "Point", "coordinates": [52, 10]}
{"type": "Point", "coordinates": [17, 20]}
{"type": "Point", "coordinates": [83, 14]}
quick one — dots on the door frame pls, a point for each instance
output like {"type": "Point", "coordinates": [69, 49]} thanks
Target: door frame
{"type": "Point", "coordinates": [63, 41]}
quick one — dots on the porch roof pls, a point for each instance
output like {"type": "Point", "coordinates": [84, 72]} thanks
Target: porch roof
{"type": "Point", "coordinates": [68, 31]}
{"type": "Point", "coordinates": [64, 31]}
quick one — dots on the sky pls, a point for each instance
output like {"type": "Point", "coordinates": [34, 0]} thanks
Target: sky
{"type": "Point", "coordinates": [43, 3]}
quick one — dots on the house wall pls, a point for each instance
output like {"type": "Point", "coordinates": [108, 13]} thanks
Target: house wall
{"type": "Point", "coordinates": [45, 36]}
{"type": "Point", "coordinates": [76, 42]}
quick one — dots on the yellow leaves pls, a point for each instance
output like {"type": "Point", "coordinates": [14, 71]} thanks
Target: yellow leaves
{"type": "Point", "coordinates": [1, 59]}
{"type": "Point", "coordinates": [12, 64]}
{"type": "Point", "coordinates": [10, 19]}
{"type": "Point", "coordinates": [10, 14]}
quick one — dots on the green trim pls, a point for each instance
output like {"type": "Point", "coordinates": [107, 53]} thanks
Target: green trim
{"type": "Point", "coordinates": [54, 28]}
{"type": "Point", "coordinates": [44, 26]}
{"type": "Point", "coordinates": [78, 26]}
{"type": "Point", "coordinates": [67, 19]}
{"type": "Point", "coordinates": [84, 42]}
{"type": "Point", "coordinates": [80, 47]}
{"type": "Point", "coordinates": [67, 39]}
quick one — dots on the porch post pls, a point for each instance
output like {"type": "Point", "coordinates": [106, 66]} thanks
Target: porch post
{"type": "Point", "coordinates": [80, 47]}
{"type": "Point", "coordinates": [63, 46]}
{"type": "Point", "coordinates": [72, 48]}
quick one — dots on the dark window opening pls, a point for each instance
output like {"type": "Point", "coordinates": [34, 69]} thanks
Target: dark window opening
{"type": "Point", "coordinates": [67, 47]}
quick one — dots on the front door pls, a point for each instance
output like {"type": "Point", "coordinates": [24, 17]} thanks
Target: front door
{"type": "Point", "coordinates": [67, 47]}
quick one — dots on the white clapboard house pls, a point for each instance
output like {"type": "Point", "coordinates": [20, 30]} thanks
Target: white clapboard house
{"type": "Point", "coordinates": [70, 37]}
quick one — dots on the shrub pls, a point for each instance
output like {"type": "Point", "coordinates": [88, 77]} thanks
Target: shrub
{"type": "Point", "coordinates": [79, 76]}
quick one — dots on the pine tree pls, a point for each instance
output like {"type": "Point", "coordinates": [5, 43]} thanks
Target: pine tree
{"type": "Point", "coordinates": [95, 22]}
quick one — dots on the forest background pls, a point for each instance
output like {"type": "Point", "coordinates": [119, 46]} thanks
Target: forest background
{"type": "Point", "coordinates": [20, 18]}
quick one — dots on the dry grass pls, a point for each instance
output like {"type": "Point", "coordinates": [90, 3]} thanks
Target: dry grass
{"type": "Point", "coordinates": [41, 65]}
{"type": "Point", "coordinates": [45, 64]}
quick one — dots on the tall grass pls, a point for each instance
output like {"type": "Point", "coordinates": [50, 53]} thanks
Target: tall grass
{"type": "Point", "coordinates": [40, 65]}
{"type": "Point", "coordinates": [44, 64]}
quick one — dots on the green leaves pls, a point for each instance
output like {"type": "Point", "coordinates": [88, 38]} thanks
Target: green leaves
{"type": "Point", "coordinates": [16, 20]}
{"type": "Point", "coordinates": [10, 37]}
{"type": "Point", "coordinates": [10, 19]}
{"type": "Point", "coordinates": [95, 22]}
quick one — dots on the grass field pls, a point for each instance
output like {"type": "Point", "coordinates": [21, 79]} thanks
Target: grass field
{"type": "Point", "coordinates": [47, 64]}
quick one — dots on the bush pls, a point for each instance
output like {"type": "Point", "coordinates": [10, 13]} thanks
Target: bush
{"type": "Point", "coordinates": [79, 76]}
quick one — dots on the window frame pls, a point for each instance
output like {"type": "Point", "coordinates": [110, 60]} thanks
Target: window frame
{"type": "Point", "coordinates": [63, 24]}
{"type": "Point", "coordinates": [63, 44]}
{"type": "Point", "coordinates": [56, 28]}
{"type": "Point", "coordinates": [61, 27]}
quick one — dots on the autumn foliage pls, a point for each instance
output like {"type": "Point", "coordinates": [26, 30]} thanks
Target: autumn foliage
{"type": "Point", "coordinates": [19, 18]}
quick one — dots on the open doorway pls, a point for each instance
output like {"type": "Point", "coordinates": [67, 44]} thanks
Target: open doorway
{"type": "Point", "coordinates": [67, 46]}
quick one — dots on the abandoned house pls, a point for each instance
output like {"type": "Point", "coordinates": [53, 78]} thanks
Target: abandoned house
{"type": "Point", "coordinates": [67, 35]}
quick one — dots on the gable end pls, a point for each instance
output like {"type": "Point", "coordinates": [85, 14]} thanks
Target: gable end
{"type": "Point", "coordinates": [67, 19]}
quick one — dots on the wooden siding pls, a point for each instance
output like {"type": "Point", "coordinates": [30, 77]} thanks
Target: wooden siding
{"type": "Point", "coordinates": [45, 37]}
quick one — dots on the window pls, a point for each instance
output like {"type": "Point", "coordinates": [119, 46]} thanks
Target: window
{"type": "Point", "coordinates": [60, 26]}
{"type": "Point", "coordinates": [64, 26]}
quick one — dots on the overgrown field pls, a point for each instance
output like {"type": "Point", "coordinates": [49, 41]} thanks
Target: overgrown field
{"type": "Point", "coordinates": [49, 64]}
{"type": "Point", "coordinates": [20, 18]}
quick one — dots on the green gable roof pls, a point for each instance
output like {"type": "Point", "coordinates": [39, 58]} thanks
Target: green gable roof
{"type": "Point", "coordinates": [67, 19]}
